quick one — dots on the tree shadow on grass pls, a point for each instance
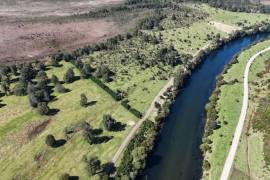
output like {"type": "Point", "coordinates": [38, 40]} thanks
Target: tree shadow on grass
{"type": "Point", "coordinates": [53, 112]}
{"type": "Point", "coordinates": [1, 94]}
{"type": "Point", "coordinates": [91, 103]}
{"type": "Point", "coordinates": [59, 143]}
{"type": "Point", "coordinates": [109, 168]}
{"type": "Point", "coordinates": [119, 127]}
{"type": "Point", "coordinates": [2, 105]}
{"type": "Point", "coordinates": [73, 178]}
{"type": "Point", "coordinates": [97, 132]}
{"type": "Point", "coordinates": [102, 139]}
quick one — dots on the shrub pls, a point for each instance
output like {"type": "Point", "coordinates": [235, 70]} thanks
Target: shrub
{"type": "Point", "coordinates": [69, 76]}
{"type": "Point", "coordinates": [93, 165]}
{"type": "Point", "coordinates": [90, 138]}
{"type": "Point", "coordinates": [54, 79]}
{"type": "Point", "coordinates": [20, 89]}
{"type": "Point", "coordinates": [206, 165]}
{"type": "Point", "coordinates": [83, 101]}
{"type": "Point", "coordinates": [33, 100]}
{"type": "Point", "coordinates": [43, 108]}
{"type": "Point", "coordinates": [109, 122]}
{"type": "Point", "coordinates": [60, 88]}
{"type": "Point", "coordinates": [65, 176]}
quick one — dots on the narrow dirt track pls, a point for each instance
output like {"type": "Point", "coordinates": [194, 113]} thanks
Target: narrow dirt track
{"type": "Point", "coordinates": [231, 155]}
{"type": "Point", "coordinates": [140, 122]}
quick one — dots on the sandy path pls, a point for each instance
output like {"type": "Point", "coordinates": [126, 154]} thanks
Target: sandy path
{"type": "Point", "coordinates": [224, 27]}
{"type": "Point", "coordinates": [140, 122]}
{"type": "Point", "coordinates": [230, 157]}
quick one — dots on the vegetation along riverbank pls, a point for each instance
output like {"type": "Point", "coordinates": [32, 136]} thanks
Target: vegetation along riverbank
{"type": "Point", "coordinates": [223, 112]}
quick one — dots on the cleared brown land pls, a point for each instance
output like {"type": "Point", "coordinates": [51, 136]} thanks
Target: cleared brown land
{"type": "Point", "coordinates": [30, 8]}
{"type": "Point", "coordinates": [27, 40]}
{"type": "Point", "coordinates": [33, 29]}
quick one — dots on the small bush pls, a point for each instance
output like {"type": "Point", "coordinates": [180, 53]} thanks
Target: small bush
{"type": "Point", "coordinates": [43, 108]}
{"type": "Point", "coordinates": [83, 101]}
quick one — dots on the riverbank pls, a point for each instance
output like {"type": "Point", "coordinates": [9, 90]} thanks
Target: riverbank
{"type": "Point", "coordinates": [180, 78]}
{"type": "Point", "coordinates": [223, 112]}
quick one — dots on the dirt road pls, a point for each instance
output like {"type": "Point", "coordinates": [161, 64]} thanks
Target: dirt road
{"type": "Point", "coordinates": [140, 122]}
{"type": "Point", "coordinates": [230, 157]}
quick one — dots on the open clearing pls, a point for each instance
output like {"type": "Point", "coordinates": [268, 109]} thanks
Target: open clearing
{"type": "Point", "coordinates": [24, 40]}
{"type": "Point", "coordinates": [38, 8]}
{"type": "Point", "coordinates": [224, 27]}
{"type": "Point", "coordinates": [31, 33]}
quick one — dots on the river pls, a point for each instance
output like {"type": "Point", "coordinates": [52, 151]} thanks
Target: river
{"type": "Point", "coordinates": [177, 155]}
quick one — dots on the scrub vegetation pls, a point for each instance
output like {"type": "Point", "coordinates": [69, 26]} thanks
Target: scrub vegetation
{"type": "Point", "coordinates": [67, 116]}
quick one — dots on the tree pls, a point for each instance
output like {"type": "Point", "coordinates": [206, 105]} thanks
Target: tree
{"type": "Point", "coordinates": [5, 88]}
{"type": "Point", "coordinates": [27, 73]}
{"type": "Point", "coordinates": [93, 165]}
{"type": "Point", "coordinates": [90, 138]}
{"type": "Point", "coordinates": [20, 89]}
{"type": "Point", "coordinates": [54, 62]}
{"type": "Point", "coordinates": [109, 122]}
{"type": "Point", "coordinates": [50, 140]}
{"type": "Point", "coordinates": [54, 79]}
{"type": "Point", "coordinates": [69, 76]}
{"type": "Point", "coordinates": [65, 176]}
{"type": "Point", "coordinates": [83, 100]}
{"type": "Point", "coordinates": [30, 88]}
{"type": "Point", "coordinates": [14, 70]}
{"type": "Point", "coordinates": [41, 75]}
{"type": "Point", "coordinates": [85, 71]}
{"type": "Point", "coordinates": [60, 88]}
{"type": "Point", "coordinates": [43, 108]}
{"type": "Point", "coordinates": [33, 100]}
{"type": "Point", "coordinates": [41, 66]}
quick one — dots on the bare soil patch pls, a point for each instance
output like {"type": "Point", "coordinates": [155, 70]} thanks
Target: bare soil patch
{"type": "Point", "coordinates": [34, 8]}
{"type": "Point", "coordinates": [27, 40]}
{"type": "Point", "coordinates": [265, 2]}
{"type": "Point", "coordinates": [224, 27]}
{"type": "Point", "coordinates": [32, 29]}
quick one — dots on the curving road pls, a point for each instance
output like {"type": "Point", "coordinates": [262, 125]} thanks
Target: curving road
{"type": "Point", "coordinates": [230, 157]}
{"type": "Point", "coordinates": [140, 122]}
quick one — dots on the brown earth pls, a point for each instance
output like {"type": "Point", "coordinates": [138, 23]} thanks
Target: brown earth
{"type": "Point", "coordinates": [34, 8]}
{"type": "Point", "coordinates": [22, 41]}
{"type": "Point", "coordinates": [33, 29]}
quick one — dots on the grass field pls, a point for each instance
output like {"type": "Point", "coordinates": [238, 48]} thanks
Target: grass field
{"type": "Point", "coordinates": [67, 158]}
{"type": "Point", "coordinates": [229, 106]}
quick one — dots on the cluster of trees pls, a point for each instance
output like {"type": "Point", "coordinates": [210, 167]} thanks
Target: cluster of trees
{"type": "Point", "coordinates": [32, 80]}
{"type": "Point", "coordinates": [134, 158]}
{"type": "Point", "coordinates": [169, 56]}
{"type": "Point", "coordinates": [110, 124]}
{"type": "Point", "coordinates": [94, 167]}
{"type": "Point", "coordinates": [238, 6]}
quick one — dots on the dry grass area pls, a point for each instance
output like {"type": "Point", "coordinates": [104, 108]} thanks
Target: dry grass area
{"type": "Point", "coordinates": [25, 40]}
{"type": "Point", "coordinates": [30, 8]}
{"type": "Point", "coordinates": [265, 2]}
{"type": "Point", "coordinates": [32, 29]}
{"type": "Point", "coordinates": [224, 27]}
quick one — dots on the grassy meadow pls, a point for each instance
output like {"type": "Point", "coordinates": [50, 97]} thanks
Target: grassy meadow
{"type": "Point", "coordinates": [19, 120]}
